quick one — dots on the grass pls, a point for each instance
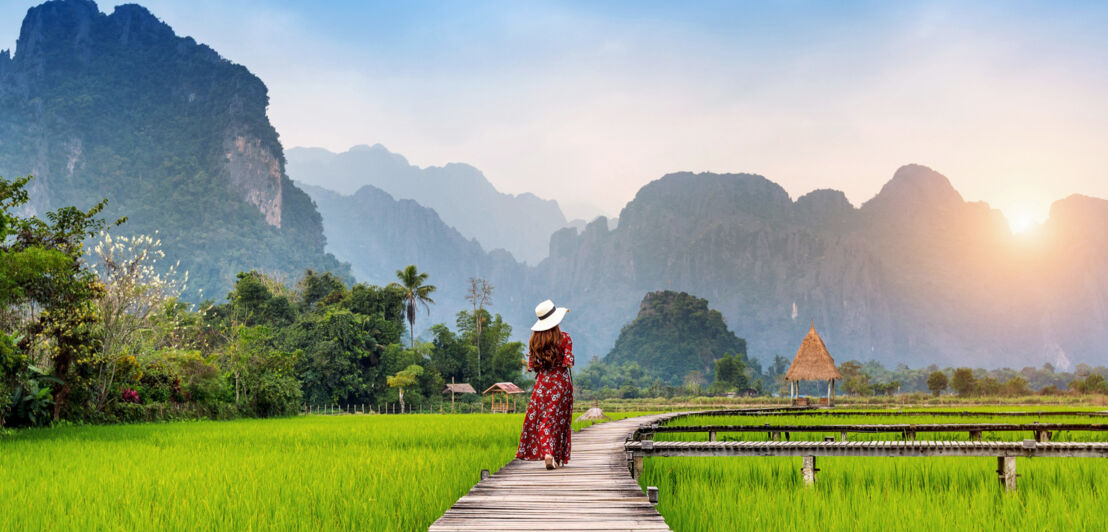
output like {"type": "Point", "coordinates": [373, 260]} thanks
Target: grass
{"type": "Point", "coordinates": [741, 493]}
{"type": "Point", "coordinates": [304, 473]}
{"type": "Point", "coordinates": [401, 473]}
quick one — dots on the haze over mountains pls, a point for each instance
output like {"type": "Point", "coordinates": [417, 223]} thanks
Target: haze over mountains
{"type": "Point", "coordinates": [177, 137]}
{"type": "Point", "coordinates": [458, 192]}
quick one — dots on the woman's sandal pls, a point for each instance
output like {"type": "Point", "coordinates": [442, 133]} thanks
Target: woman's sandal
{"type": "Point", "coordinates": [549, 462]}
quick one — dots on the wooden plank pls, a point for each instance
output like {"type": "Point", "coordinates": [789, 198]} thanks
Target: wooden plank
{"type": "Point", "coordinates": [593, 492]}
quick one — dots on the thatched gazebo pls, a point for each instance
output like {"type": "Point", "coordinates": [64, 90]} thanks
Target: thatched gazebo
{"type": "Point", "coordinates": [503, 390]}
{"type": "Point", "coordinates": [812, 363]}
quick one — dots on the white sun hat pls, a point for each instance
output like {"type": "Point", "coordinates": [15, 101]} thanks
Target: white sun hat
{"type": "Point", "coordinates": [549, 316]}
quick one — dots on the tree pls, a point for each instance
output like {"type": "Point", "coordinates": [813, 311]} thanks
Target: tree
{"type": "Point", "coordinates": [855, 381]}
{"type": "Point", "coordinates": [963, 381]}
{"type": "Point", "coordinates": [730, 375]}
{"type": "Point", "coordinates": [694, 381]}
{"type": "Point", "coordinates": [404, 379]}
{"type": "Point", "coordinates": [415, 292]}
{"type": "Point", "coordinates": [65, 296]}
{"type": "Point", "coordinates": [937, 382]}
{"type": "Point", "coordinates": [133, 290]}
{"type": "Point", "coordinates": [480, 294]}
{"type": "Point", "coordinates": [1016, 386]}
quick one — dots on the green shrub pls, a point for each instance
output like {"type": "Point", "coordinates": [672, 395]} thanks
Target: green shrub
{"type": "Point", "coordinates": [276, 395]}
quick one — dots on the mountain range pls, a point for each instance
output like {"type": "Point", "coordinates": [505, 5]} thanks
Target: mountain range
{"type": "Point", "coordinates": [458, 192]}
{"type": "Point", "coordinates": [177, 138]}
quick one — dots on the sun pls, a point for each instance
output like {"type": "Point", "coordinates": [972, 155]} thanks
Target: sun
{"type": "Point", "coordinates": [1022, 223]}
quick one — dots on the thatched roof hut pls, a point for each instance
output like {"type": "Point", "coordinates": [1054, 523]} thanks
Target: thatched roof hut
{"type": "Point", "coordinates": [813, 363]}
{"type": "Point", "coordinates": [463, 387]}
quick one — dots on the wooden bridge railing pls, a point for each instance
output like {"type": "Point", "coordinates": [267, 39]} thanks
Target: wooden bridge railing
{"type": "Point", "coordinates": [1005, 452]}
{"type": "Point", "coordinates": [1041, 431]}
{"type": "Point", "coordinates": [641, 443]}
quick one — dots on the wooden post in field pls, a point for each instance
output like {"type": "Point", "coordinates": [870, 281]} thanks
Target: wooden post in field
{"type": "Point", "coordinates": [808, 470]}
{"type": "Point", "coordinates": [652, 494]}
{"type": "Point", "coordinates": [711, 435]}
{"type": "Point", "coordinates": [775, 435]}
{"type": "Point", "coordinates": [1042, 435]}
{"type": "Point", "coordinates": [1006, 471]}
{"type": "Point", "coordinates": [842, 436]}
{"type": "Point", "coordinates": [484, 474]}
{"type": "Point", "coordinates": [636, 467]}
{"type": "Point", "coordinates": [975, 435]}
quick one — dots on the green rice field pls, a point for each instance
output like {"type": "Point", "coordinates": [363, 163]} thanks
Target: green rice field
{"type": "Point", "coordinates": [373, 472]}
{"type": "Point", "coordinates": [306, 473]}
{"type": "Point", "coordinates": [946, 493]}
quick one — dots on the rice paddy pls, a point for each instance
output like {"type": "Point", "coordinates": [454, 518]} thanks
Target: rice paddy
{"type": "Point", "coordinates": [303, 473]}
{"type": "Point", "coordinates": [402, 472]}
{"type": "Point", "coordinates": [947, 493]}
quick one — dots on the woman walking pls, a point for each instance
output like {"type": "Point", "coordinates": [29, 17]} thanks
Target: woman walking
{"type": "Point", "coordinates": [546, 428]}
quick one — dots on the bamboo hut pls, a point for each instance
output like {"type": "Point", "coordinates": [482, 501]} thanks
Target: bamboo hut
{"type": "Point", "coordinates": [457, 388]}
{"type": "Point", "coordinates": [812, 363]}
{"type": "Point", "coordinates": [501, 393]}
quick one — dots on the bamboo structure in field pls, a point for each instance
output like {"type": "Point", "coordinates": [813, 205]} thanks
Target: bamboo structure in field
{"type": "Point", "coordinates": [812, 363]}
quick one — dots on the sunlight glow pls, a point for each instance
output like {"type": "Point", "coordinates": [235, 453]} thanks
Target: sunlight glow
{"type": "Point", "coordinates": [1022, 223]}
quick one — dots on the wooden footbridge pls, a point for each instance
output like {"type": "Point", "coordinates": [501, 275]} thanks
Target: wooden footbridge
{"type": "Point", "coordinates": [597, 490]}
{"type": "Point", "coordinates": [593, 492]}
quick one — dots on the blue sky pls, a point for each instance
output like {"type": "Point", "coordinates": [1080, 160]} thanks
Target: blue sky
{"type": "Point", "coordinates": [585, 102]}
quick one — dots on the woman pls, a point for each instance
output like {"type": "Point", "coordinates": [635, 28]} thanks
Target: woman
{"type": "Point", "coordinates": [546, 428]}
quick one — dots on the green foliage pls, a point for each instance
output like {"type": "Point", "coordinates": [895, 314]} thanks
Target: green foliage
{"type": "Point", "coordinates": [66, 291]}
{"type": "Point", "coordinates": [730, 375]}
{"type": "Point", "coordinates": [937, 383]}
{"type": "Point", "coordinates": [1094, 383]}
{"type": "Point", "coordinates": [32, 400]}
{"type": "Point", "coordinates": [855, 381]}
{"type": "Point", "coordinates": [673, 334]}
{"type": "Point", "coordinates": [963, 382]}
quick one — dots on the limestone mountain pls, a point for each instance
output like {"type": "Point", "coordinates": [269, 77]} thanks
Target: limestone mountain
{"type": "Point", "coordinates": [459, 193]}
{"type": "Point", "coordinates": [675, 333]}
{"type": "Point", "coordinates": [118, 106]}
{"type": "Point", "coordinates": [915, 275]}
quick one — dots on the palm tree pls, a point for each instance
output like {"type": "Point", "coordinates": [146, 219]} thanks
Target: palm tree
{"type": "Point", "coordinates": [415, 292]}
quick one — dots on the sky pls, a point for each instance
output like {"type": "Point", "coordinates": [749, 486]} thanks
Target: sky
{"type": "Point", "coordinates": [586, 102]}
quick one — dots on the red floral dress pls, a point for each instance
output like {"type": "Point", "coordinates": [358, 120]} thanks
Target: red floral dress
{"type": "Point", "coordinates": [546, 428]}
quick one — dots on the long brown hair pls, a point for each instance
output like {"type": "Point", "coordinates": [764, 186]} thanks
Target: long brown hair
{"type": "Point", "coordinates": [546, 349]}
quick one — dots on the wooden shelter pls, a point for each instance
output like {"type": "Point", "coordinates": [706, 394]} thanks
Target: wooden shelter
{"type": "Point", "coordinates": [457, 388]}
{"type": "Point", "coordinates": [812, 363]}
{"type": "Point", "coordinates": [501, 393]}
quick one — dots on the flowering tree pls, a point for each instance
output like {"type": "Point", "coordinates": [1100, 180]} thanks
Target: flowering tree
{"type": "Point", "coordinates": [133, 289]}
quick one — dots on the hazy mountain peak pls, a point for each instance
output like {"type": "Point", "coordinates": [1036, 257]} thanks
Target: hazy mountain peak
{"type": "Point", "coordinates": [824, 206]}
{"type": "Point", "coordinates": [1079, 212]}
{"type": "Point", "coordinates": [916, 186]}
{"type": "Point", "coordinates": [458, 192]}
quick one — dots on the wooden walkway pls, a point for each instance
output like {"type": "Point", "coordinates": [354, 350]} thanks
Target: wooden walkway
{"type": "Point", "coordinates": [1026, 448]}
{"type": "Point", "coordinates": [594, 491]}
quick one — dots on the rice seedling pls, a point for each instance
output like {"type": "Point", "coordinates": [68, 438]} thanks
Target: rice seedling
{"type": "Point", "coordinates": [310, 473]}
{"type": "Point", "coordinates": [947, 493]}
